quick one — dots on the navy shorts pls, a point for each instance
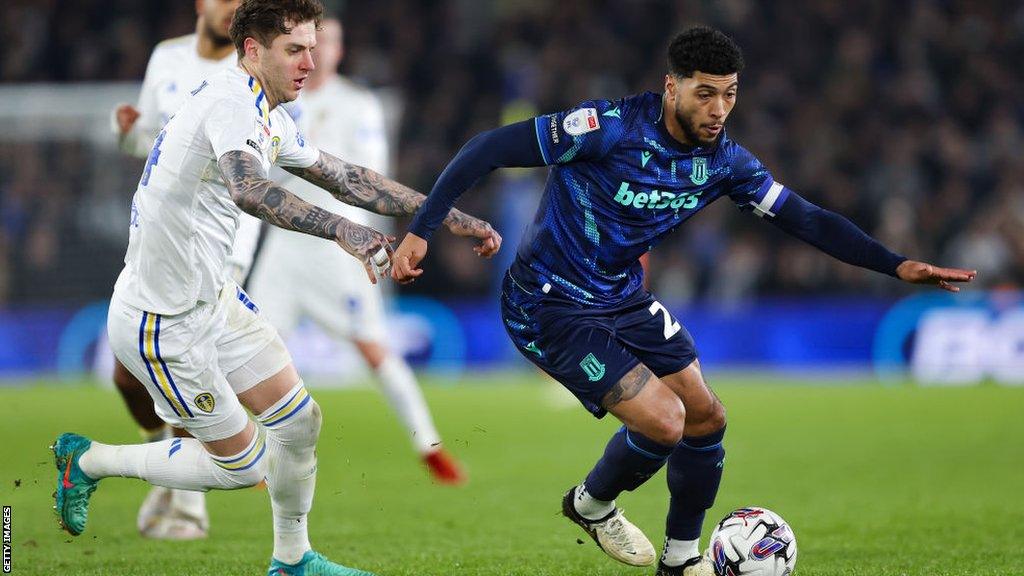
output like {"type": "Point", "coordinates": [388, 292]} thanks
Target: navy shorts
{"type": "Point", "coordinates": [588, 350]}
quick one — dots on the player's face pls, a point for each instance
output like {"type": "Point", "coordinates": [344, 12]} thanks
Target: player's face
{"type": "Point", "coordinates": [285, 65]}
{"type": "Point", "coordinates": [216, 18]}
{"type": "Point", "coordinates": [702, 102]}
{"type": "Point", "coordinates": [328, 46]}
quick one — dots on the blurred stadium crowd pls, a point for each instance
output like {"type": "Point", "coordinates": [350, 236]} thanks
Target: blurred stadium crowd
{"type": "Point", "coordinates": [908, 117]}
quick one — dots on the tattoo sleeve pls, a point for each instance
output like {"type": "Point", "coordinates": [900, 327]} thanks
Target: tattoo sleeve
{"type": "Point", "coordinates": [370, 190]}
{"type": "Point", "coordinates": [360, 186]}
{"type": "Point", "coordinates": [628, 387]}
{"type": "Point", "coordinates": [255, 194]}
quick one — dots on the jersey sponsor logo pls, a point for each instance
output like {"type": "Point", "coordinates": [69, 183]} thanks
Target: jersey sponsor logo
{"type": "Point", "coordinates": [254, 145]}
{"type": "Point", "coordinates": [592, 367]}
{"type": "Point", "coordinates": [699, 171]}
{"type": "Point", "coordinates": [645, 157]}
{"type": "Point", "coordinates": [205, 402]}
{"type": "Point", "coordinates": [581, 121]}
{"type": "Point", "coordinates": [656, 199]}
{"type": "Point", "coordinates": [613, 113]}
{"type": "Point", "coordinates": [553, 129]}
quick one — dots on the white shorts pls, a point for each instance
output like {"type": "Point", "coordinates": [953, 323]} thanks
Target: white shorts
{"type": "Point", "coordinates": [194, 364]}
{"type": "Point", "coordinates": [296, 276]}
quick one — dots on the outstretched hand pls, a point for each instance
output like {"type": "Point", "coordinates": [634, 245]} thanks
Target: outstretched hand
{"type": "Point", "coordinates": [462, 224]}
{"type": "Point", "coordinates": [916, 272]}
{"type": "Point", "coordinates": [408, 255]}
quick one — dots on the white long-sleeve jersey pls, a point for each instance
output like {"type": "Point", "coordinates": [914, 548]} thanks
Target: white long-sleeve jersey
{"type": "Point", "coordinates": [175, 68]}
{"type": "Point", "coordinates": [183, 219]}
{"type": "Point", "coordinates": [346, 120]}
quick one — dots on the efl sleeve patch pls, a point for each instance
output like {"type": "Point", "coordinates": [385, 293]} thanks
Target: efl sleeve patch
{"type": "Point", "coordinates": [581, 121]}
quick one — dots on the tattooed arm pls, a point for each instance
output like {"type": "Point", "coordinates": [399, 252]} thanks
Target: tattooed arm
{"type": "Point", "coordinates": [255, 194]}
{"type": "Point", "coordinates": [367, 189]}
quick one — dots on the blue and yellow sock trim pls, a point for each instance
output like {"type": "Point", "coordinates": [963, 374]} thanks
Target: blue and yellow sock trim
{"type": "Point", "coordinates": [291, 407]}
{"type": "Point", "coordinates": [246, 459]}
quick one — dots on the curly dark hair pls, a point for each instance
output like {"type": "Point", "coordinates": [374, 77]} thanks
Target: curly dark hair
{"type": "Point", "coordinates": [704, 49]}
{"type": "Point", "coordinates": [264, 20]}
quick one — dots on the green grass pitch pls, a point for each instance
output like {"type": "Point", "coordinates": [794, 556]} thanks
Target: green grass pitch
{"type": "Point", "coordinates": [874, 480]}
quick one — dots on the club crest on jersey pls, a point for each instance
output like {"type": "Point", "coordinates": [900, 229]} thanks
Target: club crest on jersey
{"type": "Point", "coordinates": [275, 148]}
{"type": "Point", "coordinates": [205, 402]}
{"type": "Point", "coordinates": [592, 367]}
{"type": "Point", "coordinates": [581, 121]}
{"type": "Point", "coordinates": [699, 171]}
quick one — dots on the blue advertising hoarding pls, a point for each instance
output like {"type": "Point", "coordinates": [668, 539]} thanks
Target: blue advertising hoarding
{"type": "Point", "coordinates": [939, 338]}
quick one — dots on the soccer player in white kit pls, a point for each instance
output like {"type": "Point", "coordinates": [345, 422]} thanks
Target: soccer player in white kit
{"type": "Point", "coordinates": [346, 120]}
{"type": "Point", "coordinates": [175, 68]}
{"type": "Point", "coordinates": [186, 330]}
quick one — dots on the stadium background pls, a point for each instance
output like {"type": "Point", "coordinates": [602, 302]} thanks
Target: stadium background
{"type": "Point", "coordinates": [906, 116]}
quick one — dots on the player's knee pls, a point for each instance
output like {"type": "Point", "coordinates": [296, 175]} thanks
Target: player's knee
{"type": "Point", "coordinates": [716, 419]}
{"type": "Point", "coordinates": [374, 353]}
{"type": "Point", "coordinates": [302, 429]}
{"type": "Point", "coordinates": [706, 421]}
{"type": "Point", "coordinates": [668, 429]}
{"type": "Point", "coordinates": [250, 476]}
{"type": "Point", "coordinates": [243, 474]}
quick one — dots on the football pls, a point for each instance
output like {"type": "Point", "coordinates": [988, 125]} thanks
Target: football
{"type": "Point", "coordinates": [752, 541]}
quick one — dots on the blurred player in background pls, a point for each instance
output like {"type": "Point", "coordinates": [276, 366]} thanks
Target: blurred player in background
{"type": "Point", "coordinates": [181, 325]}
{"type": "Point", "coordinates": [175, 68]}
{"type": "Point", "coordinates": [626, 173]}
{"type": "Point", "coordinates": [346, 120]}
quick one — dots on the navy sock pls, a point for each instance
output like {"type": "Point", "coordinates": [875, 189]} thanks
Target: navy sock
{"type": "Point", "coordinates": [629, 460]}
{"type": "Point", "coordinates": [694, 473]}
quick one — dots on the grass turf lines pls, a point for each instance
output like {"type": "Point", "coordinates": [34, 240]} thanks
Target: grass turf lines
{"type": "Point", "coordinates": [874, 480]}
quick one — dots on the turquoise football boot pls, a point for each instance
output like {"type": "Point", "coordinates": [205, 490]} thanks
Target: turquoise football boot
{"type": "Point", "coordinates": [73, 486]}
{"type": "Point", "coordinates": [312, 564]}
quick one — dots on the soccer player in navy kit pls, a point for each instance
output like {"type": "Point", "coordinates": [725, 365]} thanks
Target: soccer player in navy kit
{"type": "Point", "coordinates": [624, 174]}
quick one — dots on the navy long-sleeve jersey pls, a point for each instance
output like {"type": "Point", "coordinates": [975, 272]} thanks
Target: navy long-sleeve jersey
{"type": "Point", "coordinates": [619, 184]}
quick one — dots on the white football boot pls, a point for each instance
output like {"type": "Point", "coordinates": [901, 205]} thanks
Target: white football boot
{"type": "Point", "coordinates": [697, 566]}
{"type": "Point", "coordinates": [618, 537]}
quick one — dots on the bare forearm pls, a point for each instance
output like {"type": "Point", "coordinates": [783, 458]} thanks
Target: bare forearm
{"type": "Point", "coordinates": [360, 186]}
{"type": "Point", "coordinates": [367, 189]}
{"type": "Point", "coordinates": [270, 202]}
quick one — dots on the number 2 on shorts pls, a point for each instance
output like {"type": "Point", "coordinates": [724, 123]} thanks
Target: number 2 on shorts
{"type": "Point", "coordinates": [671, 326]}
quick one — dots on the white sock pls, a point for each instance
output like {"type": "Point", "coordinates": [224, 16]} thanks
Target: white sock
{"type": "Point", "coordinates": [589, 507]}
{"type": "Point", "coordinates": [405, 397]}
{"type": "Point", "coordinates": [293, 426]}
{"type": "Point", "coordinates": [176, 463]}
{"type": "Point", "coordinates": [678, 551]}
